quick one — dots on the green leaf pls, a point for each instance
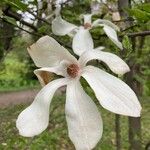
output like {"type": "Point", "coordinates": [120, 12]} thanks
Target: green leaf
{"type": "Point", "coordinates": [17, 4]}
{"type": "Point", "coordinates": [144, 7]}
{"type": "Point", "coordinates": [127, 43]}
{"type": "Point", "coordinates": [140, 15]}
{"type": "Point", "coordinates": [10, 20]}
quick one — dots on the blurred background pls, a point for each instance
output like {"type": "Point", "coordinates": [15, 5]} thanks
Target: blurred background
{"type": "Point", "coordinates": [22, 22]}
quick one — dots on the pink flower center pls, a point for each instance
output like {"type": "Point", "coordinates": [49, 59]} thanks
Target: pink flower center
{"type": "Point", "coordinates": [87, 25]}
{"type": "Point", "coordinates": [73, 70]}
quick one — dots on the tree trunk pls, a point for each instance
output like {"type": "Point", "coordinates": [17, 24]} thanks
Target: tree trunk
{"type": "Point", "coordinates": [135, 133]}
{"type": "Point", "coordinates": [134, 123]}
{"type": "Point", "coordinates": [118, 130]}
{"type": "Point", "coordinates": [122, 4]}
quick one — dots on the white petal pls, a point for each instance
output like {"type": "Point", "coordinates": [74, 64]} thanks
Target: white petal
{"type": "Point", "coordinates": [58, 10]}
{"type": "Point", "coordinates": [109, 29]}
{"type": "Point", "coordinates": [82, 41]}
{"type": "Point", "coordinates": [62, 27]}
{"type": "Point", "coordinates": [47, 52]}
{"type": "Point", "coordinates": [111, 33]}
{"type": "Point", "coordinates": [103, 22]}
{"type": "Point", "coordinates": [116, 64]}
{"type": "Point", "coordinates": [83, 118]}
{"type": "Point", "coordinates": [45, 75]}
{"type": "Point", "coordinates": [34, 119]}
{"type": "Point", "coordinates": [112, 93]}
{"type": "Point", "coordinates": [87, 18]}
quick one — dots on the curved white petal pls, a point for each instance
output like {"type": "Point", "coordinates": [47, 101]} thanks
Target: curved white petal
{"type": "Point", "coordinates": [82, 41]}
{"type": "Point", "coordinates": [45, 75]}
{"type": "Point", "coordinates": [62, 27]}
{"type": "Point", "coordinates": [83, 118]}
{"type": "Point", "coordinates": [34, 119]}
{"type": "Point", "coordinates": [87, 18]}
{"type": "Point", "coordinates": [111, 33]}
{"type": "Point", "coordinates": [116, 64]}
{"type": "Point", "coordinates": [112, 93]}
{"type": "Point", "coordinates": [103, 22]}
{"type": "Point", "coordinates": [47, 52]}
{"type": "Point", "coordinates": [110, 30]}
{"type": "Point", "coordinates": [57, 10]}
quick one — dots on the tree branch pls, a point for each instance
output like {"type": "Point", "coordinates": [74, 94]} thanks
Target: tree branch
{"type": "Point", "coordinates": [39, 18]}
{"type": "Point", "coordinates": [143, 33]}
{"type": "Point", "coordinates": [8, 12]}
{"type": "Point", "coordinates": [134, 34]}
{"type": "Point", "coordinates": [21, 28]}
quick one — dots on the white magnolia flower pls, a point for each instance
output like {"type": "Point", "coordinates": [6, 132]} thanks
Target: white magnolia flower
{"type": "Point", "coordinates": [82, 40]}
{"type": "Point", "coordinates": [83, 118]}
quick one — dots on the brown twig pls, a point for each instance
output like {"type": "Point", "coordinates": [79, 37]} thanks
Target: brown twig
{"type": "Point", "coordinates": [143, 33]}
{"type": "Point", "coordinates": [123, 20]}
{"type": "Point", "coordinates": [131, 35]}
{"type": "Point", "coordinates": [130, 27]}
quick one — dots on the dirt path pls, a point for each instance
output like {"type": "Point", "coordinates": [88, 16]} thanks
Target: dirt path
{"type": "Point", "coordinates": [19, 97]}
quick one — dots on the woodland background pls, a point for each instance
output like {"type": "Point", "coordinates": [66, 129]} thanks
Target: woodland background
{"type": "Point", "coordinates": [22, 22]}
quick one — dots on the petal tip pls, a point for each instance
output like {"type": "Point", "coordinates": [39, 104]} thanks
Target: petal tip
{"type": "Point", "coordinates": [136, 115]}
{"type": "Point", "coordinates": [119, 44]}
{"type": "Point", "coordinates": [24, 134]}
{"type": "Point", "coordinates": [27, 131]}
{"type": "Point", "coordinates": [137, 112]}
{"type": "Point", "coordinates": [126, 69]}
{"type": "Point", "coordinates": [121, 70]}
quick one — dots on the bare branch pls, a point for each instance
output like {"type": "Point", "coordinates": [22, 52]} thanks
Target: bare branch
{"type": "Point", "coordinates": [143, 33]}
{"type": "Point", "coordinates": [33, 33]}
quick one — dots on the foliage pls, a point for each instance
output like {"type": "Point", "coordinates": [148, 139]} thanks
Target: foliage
{"type": "Point", "coordinates": [16, 70]}
{"type": "Point", "coordinates": [127, 43]}
{"type": "Point", "coordinates": [140, 15]}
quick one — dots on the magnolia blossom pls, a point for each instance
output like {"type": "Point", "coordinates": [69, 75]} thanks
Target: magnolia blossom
{"type": "Point", "coordinates": [96, 6]}
{"type": "Point", "coordinates": [82, 39]}
{"type": "Point", "coordinates": [83, 118]}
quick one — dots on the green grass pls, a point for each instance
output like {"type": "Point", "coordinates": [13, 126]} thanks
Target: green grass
{"type": "Point", "coordinates": [55, 136]}
{"type": "Point", "coordinates": [33, 84]}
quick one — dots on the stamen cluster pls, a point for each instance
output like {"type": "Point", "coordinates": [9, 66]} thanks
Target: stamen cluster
{"type": "Point", "coordinates": [73, 70]}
